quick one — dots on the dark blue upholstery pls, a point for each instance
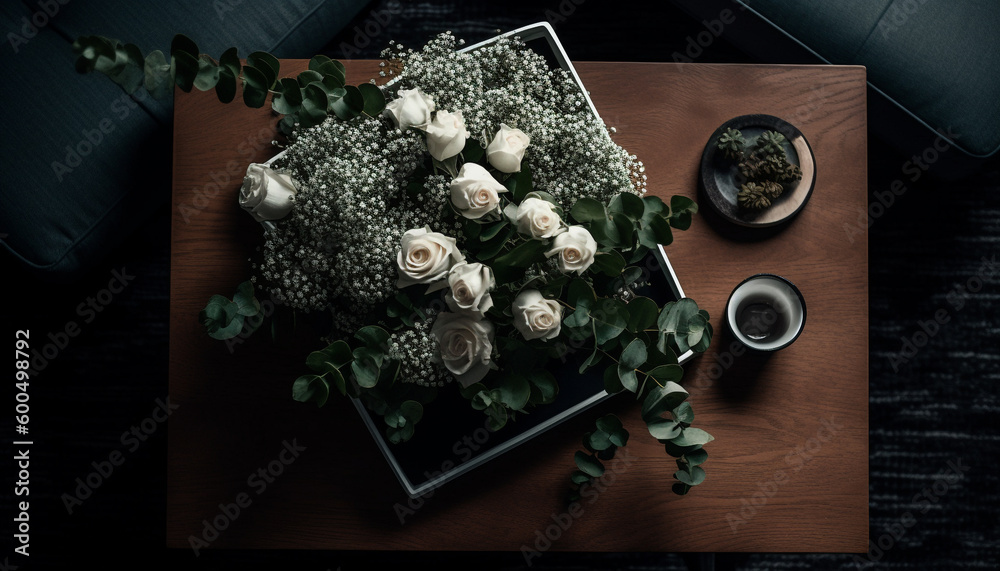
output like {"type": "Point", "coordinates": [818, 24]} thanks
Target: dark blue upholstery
{"type": "Point", "coordinates": [84, 164]}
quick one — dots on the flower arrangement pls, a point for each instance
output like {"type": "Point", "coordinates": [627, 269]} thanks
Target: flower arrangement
{"type": "Point", "coordinates": [462, 227]}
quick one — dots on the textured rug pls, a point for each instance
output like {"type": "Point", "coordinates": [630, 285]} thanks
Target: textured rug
{"type": "Point", "coordinates": [934, 337]}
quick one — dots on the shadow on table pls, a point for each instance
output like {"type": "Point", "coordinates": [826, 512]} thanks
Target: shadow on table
{"type": "Point", "coordinates": [743, 378]}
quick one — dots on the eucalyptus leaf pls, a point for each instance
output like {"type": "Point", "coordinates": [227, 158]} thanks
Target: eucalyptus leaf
{"type": "Point", "coordinates": [692, 478]}
{"type": "Point", "coordinates": [245, 301]}
{"type": "Point", "coordinates": [185, 69]}
{"type": "Point", "coordinates": [588, 464]}
{"type": "Point", "coordinates": [634, 354]}
{"type": "Point", "coordinates": [612, 383]}
{"type": "Point", "coordinates": [374, 99]}
{"type": "Point", "coordinates": [230, 60]}
{"type": "Point", "coordinates": [255, 87]}
{"type": "Point", "coordinates": [599, 440]}
{"type": "Point", "coordinates": [661, 399]}
{"type": "Point", "coordinates": [374, 337]}
{"type": "Point", "coordinates": [609, 423]}
{"type": "Point", "coordinates": [663, 429]}
{"type": "Point", "coordinates": [309, 76]}
{"type": "Point", "coordinates": [314, 106]}
{"type": "Point", "coordinates": [182, 43]}
{"type": "Point", "coordinates": [628, 378]}
{"type": "Point", "coordinates": [267, 64]}
{"type": "Point", "coordinates": [311, 388]}
{"type": "Point", "coordinates": [593, 359]}
{"type": "Point", "coordinates": [619, 437]}
{"type": "Point", "coordinates": [681, 210]}
{"type": "Point", "coordinates": [628, 204]}
{"type": "Point", "coordinates": [696, 457]}
{"type": "Point", "coordinates": [609, 263]}
{"type": "Point", "coordinates": [588, 210]}
{"type": "Point", "coordinates": [350, 105]}
{"type": "Point", "coordinates": [642, 314]}
{"type": "Point", "coordinates": [546, 385]}
{"type": "Point", "coordinates": [691, 436]}
{"type": "Point", "coordinates": [515, 391]}
{"type": "Point", "coordinates": [208, 74]}
{"type": "Point", "coordinates": [412, 411]}
{"type": "Point", "coordinates": [288, 96]}
{"type": "Point", "coordinates": [523, 255]}
{"type": "Point", "coordinates": [684, 413]}
{"type": "Point", "coordinates": [667, 374]}
{"type": "Point", "coordinates": [225, 89]}
{"type": "Point", "coordinates": [399, 435]}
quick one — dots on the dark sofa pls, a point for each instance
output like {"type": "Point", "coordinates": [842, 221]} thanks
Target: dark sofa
{"type": "Point", "coordinates": [84, 163]}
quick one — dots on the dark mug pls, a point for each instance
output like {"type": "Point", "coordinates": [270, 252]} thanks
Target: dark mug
{"type": "Point", "coordinates": [766, 312]}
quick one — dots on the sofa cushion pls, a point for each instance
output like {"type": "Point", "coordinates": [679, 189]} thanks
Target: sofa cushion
{"type": "Point", "coordinates": [87, 163]}
{"type": "Point", "coordinates": [938, 61]}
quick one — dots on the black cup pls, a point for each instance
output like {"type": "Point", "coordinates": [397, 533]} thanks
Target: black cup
{"type": "Point", "coordinates": [766, 312]}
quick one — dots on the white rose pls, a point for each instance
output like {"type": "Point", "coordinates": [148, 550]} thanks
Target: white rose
{"type": "Point", "coordinates": [475, 192]}
{"type": "Point", "coordinates": [266, 195]}
{"type": "Point", "coordinates": [470, 285]}
{"type": "Point", "coordinates": [466, 345]}
{"type": "Point", "coordinates": [538, 219]}
{"type": "Point", "coordinates": [425, 257]}
{"type": "Point", "coordinates": [412, 108]}
{"type": "Point", "coordinates": [536, 317]}
{"type": "Point", "coordinates": [446, 135]}
{"type": "Point", "coordinates": [507, 149]}
{"type": "Point", "coordinates": [576, 249]}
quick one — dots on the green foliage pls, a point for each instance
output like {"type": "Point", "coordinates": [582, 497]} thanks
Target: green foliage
{"type": "Point", "coordinates": [601, 444]}
{"type": "Point", "coordinates": [225, 318]}
{"type": "Point", "coordinates": [306, 100]}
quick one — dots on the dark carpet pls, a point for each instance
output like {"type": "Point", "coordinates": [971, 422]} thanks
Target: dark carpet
{"type": "Point", "coordinates": [934, 337]}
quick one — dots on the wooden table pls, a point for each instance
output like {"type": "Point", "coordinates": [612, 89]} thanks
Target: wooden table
{"type": "Point", "coordinates": [788, 470]}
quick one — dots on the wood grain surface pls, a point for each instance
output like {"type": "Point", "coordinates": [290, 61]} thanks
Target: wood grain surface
{"type": "Point", "coordinates": [788, 470]}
